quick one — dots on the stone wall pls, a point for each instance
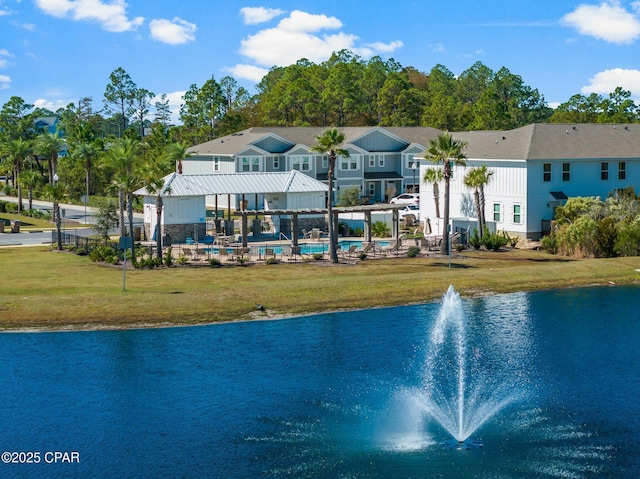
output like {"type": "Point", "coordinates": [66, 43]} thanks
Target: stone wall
{"type": "Point", "coordinates": [180, 233]}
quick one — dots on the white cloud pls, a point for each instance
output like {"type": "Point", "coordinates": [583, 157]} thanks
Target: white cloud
{"type": "Point", "coordinates": [437, 47]}
{"type": "Point", "coordinates": [609, 21]}
{"type": "Point", "coordinates": [298, 36]}
{"type": "Point", "coordinates": [607, 81]}
{"type": "Point", "coordinates": [4, 54]}
{"type": "Point", "coordinates": [173, 32]}
{"type": "Point", "coordinates": [50, 105]}
{"type": "Point", "coordinates": [5, 82]}
{"type": "Point", "coordinates": [386, 47]}
{"type": "Point", "coordinates": [248, 72]}
{"type": "Point", "coordinates": [111, 16]}
{"type": "Point", "coordinates": [299, 21]}
{"type": "Point", "coordinates": [255, 15]}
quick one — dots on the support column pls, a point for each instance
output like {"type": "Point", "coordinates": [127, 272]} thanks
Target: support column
{"type": "Point", "coordinates": [395, 229]}
{"type": "Point", "coordinates": [367, 226]}
{"type": "Point", "coordinates": [244, 229]}
{"type": "Point", "coordinates": [294, 229]}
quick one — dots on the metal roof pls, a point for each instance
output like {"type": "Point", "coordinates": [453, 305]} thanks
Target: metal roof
{"type": "Point", "coordinates": [237, 184]}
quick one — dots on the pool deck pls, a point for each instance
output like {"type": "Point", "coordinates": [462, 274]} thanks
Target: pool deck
{"type": "Point", "coordinates": [263, 249]}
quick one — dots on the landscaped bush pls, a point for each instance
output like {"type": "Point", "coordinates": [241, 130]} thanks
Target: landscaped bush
{"type": "Point", "coordinates": [380, 229]}
{"type": "Point", "coordinates": [316, 256]}
{"type": "Point", "coordinates": [104, 254]}
{"type": "Point", "coordinates": [549, 243]}
{"type": "Point", "coordinates": [215, 263]}
{"type": "Point", "coordinates": [492, 241]}
{"type": "Point", "coordinates": [168, 259]}
{"type": "Point", "coordinates": [275, 261]}
{"type": "Point", "coordinates": [413, 251]}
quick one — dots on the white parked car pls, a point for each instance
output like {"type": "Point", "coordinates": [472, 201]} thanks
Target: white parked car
{"type": "Point", "coordinates": [411, 209]}
{"type": "Point", "coordinates": [408, 198]}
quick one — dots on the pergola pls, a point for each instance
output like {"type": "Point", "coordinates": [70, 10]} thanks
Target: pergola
{"type": "Point", "coordinates": [295, 213]}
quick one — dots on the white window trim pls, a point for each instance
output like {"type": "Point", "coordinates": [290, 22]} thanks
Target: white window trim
{"type": "Point", "coordinates": [500, 212]}
{"type": "Point", "coordinates": [521, 214]}
{"type": "Point", "coordinates": [299, 159]}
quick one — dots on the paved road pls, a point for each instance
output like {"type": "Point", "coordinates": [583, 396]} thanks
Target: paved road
{"type": "Point", "coordinates": [77, 220]}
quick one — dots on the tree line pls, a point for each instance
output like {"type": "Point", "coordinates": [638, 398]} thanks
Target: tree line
{"type": "Point", "coordinates": [131, 140]}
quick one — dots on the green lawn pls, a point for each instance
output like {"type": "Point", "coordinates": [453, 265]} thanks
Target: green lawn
{"type": "Point", "coordinates": [47, 289]}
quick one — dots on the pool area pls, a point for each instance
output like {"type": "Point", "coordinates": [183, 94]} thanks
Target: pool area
{"type": "Point", "coordinates": [279, 249]}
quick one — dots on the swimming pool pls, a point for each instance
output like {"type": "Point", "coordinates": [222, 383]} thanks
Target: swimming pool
{"type": "Point", "coordinates": [305, 248]}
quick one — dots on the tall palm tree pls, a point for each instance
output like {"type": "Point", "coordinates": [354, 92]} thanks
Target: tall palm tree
{"type": "Point", "coordinates": [175, 153]}
{"type": "Point", "coordinates": [477, 178]}
{"type": "Point", "coordinates": [56, 192]}
{"type": "Point", "coordinates": [17, 151]}
{"type": "Point", "coordinates": [329, 143]}
{"type": "Point", "coordinates": [30, 179]}
{"type": "Point", "coordinates": [48, 145]}
{"type": "Point", "coordinates": [86, 152]}
{"type": "Point", "coordinates": [124, 158]}
{"type": "Point", "coordinates": [434, 176]}
{"type": "Point", "coordinates": [445, 150]}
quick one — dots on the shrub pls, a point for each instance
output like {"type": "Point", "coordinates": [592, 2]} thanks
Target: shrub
{"type": "Point", "coordinates": [380, 229]}
{"type": "Point", "coordinates": [413, 251]}
{"type": "Point", "coordinates": [362, 255]}
{"type": "Point", "coordinates": [275, 261]}
{"type": "Point", "coordinates": [104, 254]}
{"type": "Point", "coordinates": [628, 240]}
{"type": "Point", "coordinates": [168, 259]}
{"type": "Point", "coordinates": [316, 256]}
{"type": "Point", "coordinates": [549, 243]}
{"type": "Point", "coordinates": [215, 263]}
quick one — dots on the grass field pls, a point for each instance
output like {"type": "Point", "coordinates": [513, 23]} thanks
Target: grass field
{"type": "Point", "coordinates": [58, 290]}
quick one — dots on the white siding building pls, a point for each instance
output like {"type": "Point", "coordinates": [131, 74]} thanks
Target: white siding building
{"type": "Point", "coordinates": [535, 168]}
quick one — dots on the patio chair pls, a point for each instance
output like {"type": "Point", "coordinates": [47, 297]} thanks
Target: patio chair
{"type": "Point", "coordinates": [393, 248]}
{"type": "Point", "coordinates": [269, 253]}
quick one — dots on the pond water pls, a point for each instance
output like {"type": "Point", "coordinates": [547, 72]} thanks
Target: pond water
{"type": "Point", "coordinates": [555, 377]}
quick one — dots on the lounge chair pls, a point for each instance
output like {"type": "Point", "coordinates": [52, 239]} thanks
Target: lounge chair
{"type": "Point", "coordinates": [393, 248]}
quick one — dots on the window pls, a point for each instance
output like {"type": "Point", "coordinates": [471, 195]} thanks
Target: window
{"type": "Point", "coordinates": [251, 163]}
{"type": "Point", "coordinates": [622, 170]}
{"type": "Point", "coordinates": [325, 162]}
{"type": "Point", "coordinates": [517, 216]}
{"type": "Point", "coordinates": [276, 162]}
{"type": "Point", "coordinates": [566, 171]}
{"type": "Point", "coordinates": [301, 163]}
{"type": "Point", "coordinates": [604, 171]}
{"type": "Point", "coordinates": [372, 189]}
{"type": "Point", "coordinates": [496, 212]}
{"type": "Point", "coordinates": [216, 164]}
{"type": "Point", "coordinates": [376, 160]}
{"type": "Point", "coordinates": [546, 172]}
{"type": "Point", "coordinates": [350, 163]}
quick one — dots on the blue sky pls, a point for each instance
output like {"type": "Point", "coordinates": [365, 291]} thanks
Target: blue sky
{"type": "Point", "coordinates": [53, 52]}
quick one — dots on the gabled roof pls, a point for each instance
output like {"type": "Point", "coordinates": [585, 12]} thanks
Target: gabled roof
{"type": "Point", "coordinates": [237, 184]}
{"type": "Point", "coordinates": [539, 141]}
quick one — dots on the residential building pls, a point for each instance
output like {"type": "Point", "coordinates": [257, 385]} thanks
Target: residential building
{"type": "Point", "coordinates": [535, 168]}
